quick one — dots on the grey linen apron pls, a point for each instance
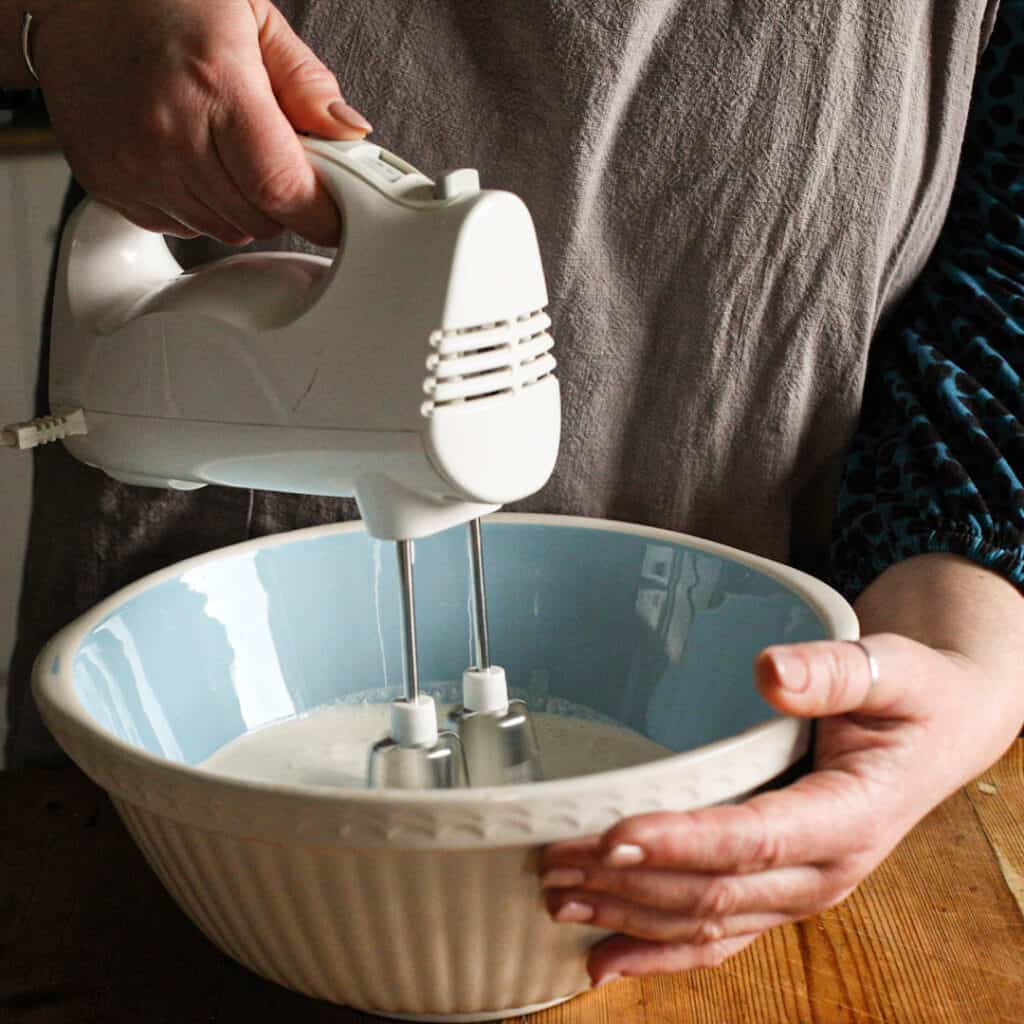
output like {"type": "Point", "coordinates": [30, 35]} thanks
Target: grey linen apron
{"type": "Point", "coordinates": [729, 194]}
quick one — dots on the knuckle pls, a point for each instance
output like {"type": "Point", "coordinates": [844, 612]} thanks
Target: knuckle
{"type": "Point", "coordinates": [765, 851]}
{"type": "Point", "coordinates": [718, 898]}
{"type": "Point", "coordinates": [276, 189]}
{"type": "Point", "coordinates": [708, 932]}
{"type": "Point", "coordinates": [810, 666]}
{"type": "Point", "coordinates": [158, 126]}
{"type": "Point", "coordinates": [832, 672]}
{"type": "Point", "coordinates": [309, 73]}
{"type": "Point", "coordinates": [761, 846]}
{"type": "Point", "coordinates": [633, 921]}
{"type": "Point", "coordinates": [210, 73]}
{"type": "Point", "coordinates": [628, 919]}
{"type": "Point", "coordinates": [636, 886]}
{"type": "Point", "coordinates": [616, 883]}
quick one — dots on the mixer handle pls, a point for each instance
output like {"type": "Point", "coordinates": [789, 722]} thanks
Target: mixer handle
{"type": "Point", "coordinates": [113, 268]}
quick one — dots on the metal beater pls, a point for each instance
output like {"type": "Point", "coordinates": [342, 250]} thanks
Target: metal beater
{"type": "Point", "coordinates": [415, 755]}
{"type": "Point", "coordinates": [497, 734]}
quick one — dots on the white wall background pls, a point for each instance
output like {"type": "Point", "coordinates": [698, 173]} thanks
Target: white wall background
{"type": "Point", "coordinates": [31, 189]}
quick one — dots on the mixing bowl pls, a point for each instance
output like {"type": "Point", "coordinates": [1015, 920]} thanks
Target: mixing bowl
{"type": "Point", "coordinates": [419, 905]}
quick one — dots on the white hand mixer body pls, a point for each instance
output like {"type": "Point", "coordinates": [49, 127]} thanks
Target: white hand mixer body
{"type": "Point", "coordinates": [413, 372]}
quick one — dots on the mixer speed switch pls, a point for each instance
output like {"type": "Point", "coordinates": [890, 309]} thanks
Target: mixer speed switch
{"type": "Point", "coordinates": [454, 184]}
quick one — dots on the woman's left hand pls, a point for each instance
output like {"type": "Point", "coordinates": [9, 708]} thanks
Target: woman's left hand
{"type": "Point", "coordinates": [689, 889]}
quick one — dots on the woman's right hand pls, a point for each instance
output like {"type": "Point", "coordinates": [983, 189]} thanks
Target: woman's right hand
{"type": "Point", "coordinates": [182, 114]}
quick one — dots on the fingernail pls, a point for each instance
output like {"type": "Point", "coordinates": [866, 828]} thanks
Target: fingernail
{"type": "Point", "coordinates": [792, 672]}
{"type": "Point", "coordinates": [562, 878]}
{"type": "Point", "coordinates": [349, 117]}
{"type": "Point", "coordinates": [606, 979]}
{"type": "Point", "coordinates": [574, 912]}
{"type": "Point", "coordinates": [625, 855]}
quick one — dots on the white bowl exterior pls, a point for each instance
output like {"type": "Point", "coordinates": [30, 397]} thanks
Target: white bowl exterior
{"type": "Point", "coordinates": [453, 933]}
{"type": "Point", "coordinates": [386, 901]}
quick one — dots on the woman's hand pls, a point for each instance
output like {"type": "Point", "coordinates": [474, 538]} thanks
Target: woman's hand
{"type": "Point", "coordinates": [690, 889]}
{"type": "Point", "coordinates": [182, 113]}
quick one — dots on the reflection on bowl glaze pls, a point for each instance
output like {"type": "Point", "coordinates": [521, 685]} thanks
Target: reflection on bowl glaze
{"type": "Point", "coordinates": [641, 632]}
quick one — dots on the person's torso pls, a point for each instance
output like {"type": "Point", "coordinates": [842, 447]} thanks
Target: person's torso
{"type": "Point", "coordinates": [729, 195]}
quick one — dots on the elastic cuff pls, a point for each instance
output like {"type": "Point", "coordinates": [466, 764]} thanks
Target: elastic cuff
{"type": "Point", "coordinates": [852, 579]}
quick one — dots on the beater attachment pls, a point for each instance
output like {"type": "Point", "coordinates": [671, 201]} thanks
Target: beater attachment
{"type": "Point", "coordinates": [415, 755]}
{"type": "Point", "coordinates": [498, 738]}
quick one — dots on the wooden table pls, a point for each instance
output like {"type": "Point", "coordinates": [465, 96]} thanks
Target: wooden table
{"type": "Point", "coordinates": [87, 936]}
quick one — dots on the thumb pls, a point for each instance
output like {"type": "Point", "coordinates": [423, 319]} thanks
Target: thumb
{"type": "Point", "coordinates": [306, 90]}
{"type": "Point", "coordinates": [813, 680]}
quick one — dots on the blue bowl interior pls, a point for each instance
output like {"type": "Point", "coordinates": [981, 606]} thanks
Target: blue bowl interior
{"type": "Point", "coordinates": [659, 637]}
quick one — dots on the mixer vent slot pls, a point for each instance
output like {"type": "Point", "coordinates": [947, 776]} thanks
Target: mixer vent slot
{"type": "Point", "coordinates": [473, 363]}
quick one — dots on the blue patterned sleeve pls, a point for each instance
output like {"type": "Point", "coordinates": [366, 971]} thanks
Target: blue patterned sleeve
{"type": "Point", "coordinates": [937, 464]}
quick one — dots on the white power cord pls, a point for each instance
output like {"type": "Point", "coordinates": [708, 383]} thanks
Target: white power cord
{"type": "Point", "coordinates": [43, 430]}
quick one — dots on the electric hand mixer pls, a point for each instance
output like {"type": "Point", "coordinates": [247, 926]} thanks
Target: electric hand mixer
{"type": "Point", "coordinates": [413, 373]}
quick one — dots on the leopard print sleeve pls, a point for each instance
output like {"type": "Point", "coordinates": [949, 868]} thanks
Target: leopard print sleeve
{"type": "Point", "coordinates": [937, 464]}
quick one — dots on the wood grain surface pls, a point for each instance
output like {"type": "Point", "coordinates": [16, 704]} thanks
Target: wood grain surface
{"type": "Point", "coordinates": [935, 936]}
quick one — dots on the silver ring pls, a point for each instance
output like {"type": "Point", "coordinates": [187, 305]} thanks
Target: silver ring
{"type": "Point", "coordinates": [872, 664]}
{"type": "Point", "coordinates": [26, 28]}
